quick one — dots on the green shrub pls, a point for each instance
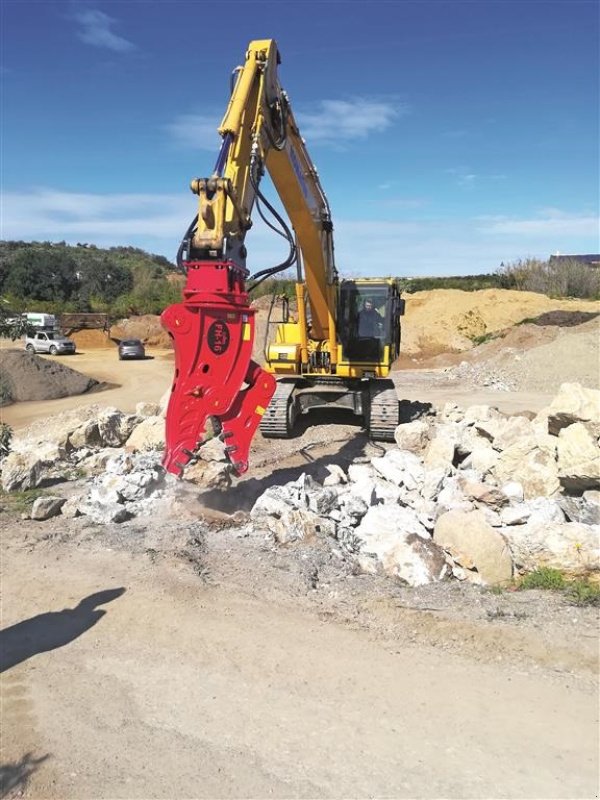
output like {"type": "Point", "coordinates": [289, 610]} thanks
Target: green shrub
{"type": "Point", "coordinates": [543, 578]}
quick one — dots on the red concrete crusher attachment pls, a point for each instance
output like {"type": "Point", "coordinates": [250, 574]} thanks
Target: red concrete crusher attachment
{"type": "Point", "coordinates": [213, 332]}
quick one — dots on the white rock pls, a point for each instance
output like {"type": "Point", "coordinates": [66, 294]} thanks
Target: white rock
{"type": "Point", "coordinates": [536, 470]}
{"type": "Point", "coordinates": [104, 513]}
{"type": "Point", "coordinates": [21, 471]}
{"type": "Point", "coordinates": [569, 546]}
{"type": "Point", "coordinates": [213, 450]}
{"type": "Point", "coordinates": [513, 430]}
{"type": "Point", "coordinates": [148, 435]}
{"type": "Point", "coordinates": [480, 413]}
{"type": "Point", "coordinates": [412, 436]}
{"type": "Point", "coordinates": [336, 475]}
{"type": "Point", "coordinates": [85, 435]}
{"type": "Point", "coordinates": [483, 493]}
{"type": "Point", "coordinates": [434, 482]}
{"type": "Point", "coordinates": [144, 409]}
{"type": "Point", "coordinates": [401, 468]}
{"type": "Point", "coordinates": [115, 427]}
{"type": "Point", "coordinates": [441, 450]}
{"type": "Point", "coordinates": [70, 508]}
{"type": "Point", "coordinates": [515, 515]}
{"type": "Point", "coordinates": [543, 509]}
{"type": "Point", "coordinates": [400, 546]}
{"type": "Point", "coordinates": [573, 403]}
{"type": "Point", "coordinates": [578, 459]}
{"type": "Point", "coordinates": [452, 413]}
{"type": "Point", "coordinates": [513, 490]}
{"type": "Point", "coordinates": [46, 507]}
{"type": "Point", "coordinates": [452, 498]}
{"type": "Point", "coordinates": [358, 473]}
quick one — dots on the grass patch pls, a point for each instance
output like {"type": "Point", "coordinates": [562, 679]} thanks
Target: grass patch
{"type": "Point", "coordinates": [579, 591]}
{"type": "Point", "coordinates": [543, 578]}
{"type": "Point", "coordinates": [20, 501]}
{"type": "Point", "coordinates": [485, 337]}
{"type": "Point", "coordinates": [583, 593]}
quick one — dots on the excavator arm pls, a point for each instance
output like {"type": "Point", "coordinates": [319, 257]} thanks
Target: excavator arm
{"type": "Point", "coordinates": [213, 327]}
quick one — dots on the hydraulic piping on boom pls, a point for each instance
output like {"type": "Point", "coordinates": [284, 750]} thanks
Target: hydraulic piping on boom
{"type": "Point", "coordinates": [321, 359]}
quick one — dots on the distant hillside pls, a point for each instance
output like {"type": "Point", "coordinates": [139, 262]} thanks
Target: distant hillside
{"type": "Point", "coordinates": [56, 277]}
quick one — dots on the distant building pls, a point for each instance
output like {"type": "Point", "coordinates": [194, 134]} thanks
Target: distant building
{"type": "Point", "coordinates": [593, 260]}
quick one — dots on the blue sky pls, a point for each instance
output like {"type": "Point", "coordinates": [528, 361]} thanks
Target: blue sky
{"type": "Point", "coordinates": [449, 136]}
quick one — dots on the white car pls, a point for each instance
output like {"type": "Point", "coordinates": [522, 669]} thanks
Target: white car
{"type": "Point", "coordinates": [50, 342]}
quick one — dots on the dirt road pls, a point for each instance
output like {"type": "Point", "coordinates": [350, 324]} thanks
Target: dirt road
{"type": "Point", "coordinates": [177, 688]}
{"type": "Point", "coordinates": [233, 669]}
{"type": "Point", "coordinates": [130, 382]}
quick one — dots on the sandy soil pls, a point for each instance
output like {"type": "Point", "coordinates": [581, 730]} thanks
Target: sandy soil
{"type": "Point", "coordinates": [224, 669]}
{"type": "Point", "coordinates": [444, 320]}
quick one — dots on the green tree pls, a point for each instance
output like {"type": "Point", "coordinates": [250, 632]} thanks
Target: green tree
{"type": "Point", "coordinates": [41, 274]}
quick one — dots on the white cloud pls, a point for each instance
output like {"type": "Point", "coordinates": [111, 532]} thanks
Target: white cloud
{"type": "Point", "coordinates": [95, 29]}
{"type": "Point", "coordinates": [466, 177]}
{"type": "Point", "coordinates": [331, 122]}
{"type": "Point", "coordinates": [553, 224]}
{"type": "Point", "coordinates": [197, 131]}
{"type": "Point", "coordinates": [443, 246]}
{"type": "Point", "coordinates": [335, 122]}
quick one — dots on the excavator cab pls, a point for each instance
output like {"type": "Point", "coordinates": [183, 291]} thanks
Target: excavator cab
{"type": "Point", "coordinates": [369, 321]}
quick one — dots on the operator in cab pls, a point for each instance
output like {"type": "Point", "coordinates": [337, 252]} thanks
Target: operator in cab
{"type": "Point", "coordinates": [370, 321]}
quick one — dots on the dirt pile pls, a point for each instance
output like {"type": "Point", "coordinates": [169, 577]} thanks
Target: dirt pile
{"type": "Point", "coordinates": [91, 339]}
{"type": "Point", "coordinates": [533, 358]}
{"type": "Point", "coordinates": [147, 328]}
{"type": "Point", "coordinates": [450, 320]}
{"type": "Point", "coordinates": [25, 376]}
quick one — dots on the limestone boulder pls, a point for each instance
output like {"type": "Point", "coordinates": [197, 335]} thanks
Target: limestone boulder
{"type": "Point", "coordinates": [401, 468]}
{"type": "Point", "coordinates": [104, 513]}
{"type": "Point", "coordinates": [567, 546]}
{"type": "Point", "coordinates": [70, 507]}
{"type": "Point", "coordinates": [399, 546]}
{"type": "Point", "coordinates": [336, 475]}
{"type": "Point", "coordinates": [412, 436]}
{"type": "Point", "coordinates": [578, 459]}
{"type": "Point", "coordinates": [573, 403]}
{"type": "Point", "coordinates": [581, 509]}
{"type": "Point", "coordinates": [21, 471]}
{"type": "Point", "coordinates": [474, 545]}
{"type": "Point", "coordinates": [115, 427]}
{"type": "Point", "coordinates": [46, 507]}
{"type": "Point", "coordinates": [483, 493]}
{"type": "Point", "coordinates": [144, 409]}
{"type": "Point", "coordinates": [148, 435]}
{"type": "Point", "coordinates": [85, 435]}
{"type": "Point", "coordinates": [442, 448]}
{"type": "Point", "coordinates": [536, 470]}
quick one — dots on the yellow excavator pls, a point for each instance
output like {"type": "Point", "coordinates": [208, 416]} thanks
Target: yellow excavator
{"type": "Point", "coordinates": [339, 350]}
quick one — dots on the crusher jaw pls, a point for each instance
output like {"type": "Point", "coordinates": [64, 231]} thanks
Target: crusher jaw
{"type": "Point", "coordinates": [213, 332]}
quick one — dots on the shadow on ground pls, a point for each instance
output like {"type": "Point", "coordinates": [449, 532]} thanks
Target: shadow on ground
{"type": "Point", "coordinates": [353, 445]}
{"type": "Point", "coordinates": [14, 776]}
{"type": "Point", "coordinates": [51, 630]}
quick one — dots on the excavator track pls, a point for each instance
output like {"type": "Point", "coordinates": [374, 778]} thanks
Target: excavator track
{"type": "Point", "coordinates": [278, 420]}
{"type": "Point", "coordinates": [384, 411]}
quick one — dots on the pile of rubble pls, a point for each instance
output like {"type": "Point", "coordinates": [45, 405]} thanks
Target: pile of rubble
{"type": "Point", "coordinates": [118, 455]}
{"type": "Point", "coordinates": [469, 494]}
